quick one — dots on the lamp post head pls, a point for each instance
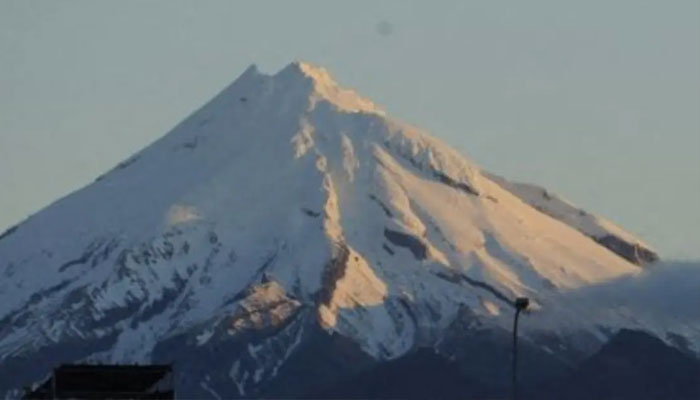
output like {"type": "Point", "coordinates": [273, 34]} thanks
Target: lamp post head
{"type": "Point", "coordinates": [521, 303]}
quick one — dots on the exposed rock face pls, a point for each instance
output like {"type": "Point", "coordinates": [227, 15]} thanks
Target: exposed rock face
{"type": "Point", "coordinates": [633, 252]}
{"type": "Point", "coordinates": [415, 245]}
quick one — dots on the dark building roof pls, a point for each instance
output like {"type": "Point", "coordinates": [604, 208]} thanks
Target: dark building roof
{"type": "Point", "coordinates": [107, 381]}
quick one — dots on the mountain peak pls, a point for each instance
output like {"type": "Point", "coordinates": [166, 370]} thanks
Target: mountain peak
{"type": "Point", "coordinates": [317, 73]}
{"type": "Point", "coordinates": [324, 87]}
{"type": "Point", "coordinates": [282, 210]}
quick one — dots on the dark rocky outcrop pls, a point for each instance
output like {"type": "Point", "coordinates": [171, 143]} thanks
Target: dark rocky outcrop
{"type": "Point", "coordinates": [632, 252]}
{"type": "Point", "coordinates": [414, 244]}
{"type": "Point", "coordinates": [332, 273]}
{"type": "Point", "coordinates": [8, 232]}
{"type": "Point", "coordinates": [456, 184]}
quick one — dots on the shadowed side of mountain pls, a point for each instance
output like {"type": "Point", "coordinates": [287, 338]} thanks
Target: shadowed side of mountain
{"type": "Point", "coordinates": [631, 365]}
{"type": "Point", "coordinates": [471, 362]}
{"type": "Point", "coordinates": [422, 374]}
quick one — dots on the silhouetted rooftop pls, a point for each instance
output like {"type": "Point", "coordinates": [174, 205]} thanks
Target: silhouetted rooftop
{"type": "Point", "coordinates": [107, 381]}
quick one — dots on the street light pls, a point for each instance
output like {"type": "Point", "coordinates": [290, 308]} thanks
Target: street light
{"type": "Point", "coordinates": [521, 304]}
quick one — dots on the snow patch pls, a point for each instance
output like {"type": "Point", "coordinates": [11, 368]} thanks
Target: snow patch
{"type": "Point", "coordinates": [491, 307]}
{"type": "Point", "coordinates": [325, 88]}
{"type": "Point", "coordinates": [180, 214]}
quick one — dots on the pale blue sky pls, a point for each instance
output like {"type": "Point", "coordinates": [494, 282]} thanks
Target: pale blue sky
{"type": "Point", "coordinates": [596, 100]}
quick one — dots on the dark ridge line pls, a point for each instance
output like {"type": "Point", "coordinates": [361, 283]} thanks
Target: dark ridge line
{"type": "Point", "coordinates": [407, 307]}
{"type": "Point", "coordinates": [388, 249]}
{"type": "Point", "coordinates": [455, 278]}
{"type": "Point", "coordinates": [127, 162]}
{"type": "Point", "coordinates": [443, 178]}
{"type": "Point", "coordinates": [631, 252]}
{"type": "Point", "coordinates": [9, 231]}
{"type": "Point", "coordinates": [425, 216]}
{"type": "Point", "coordinates": [91, 249]}
{"type": "Point", "coordinates": [119, 166]}
{"type": "Point", "coordinates": [332, 273]}
{"type": "Point", "coordinates": [455, 184]}
{"type": "Point", "coordinates": [386, 209]}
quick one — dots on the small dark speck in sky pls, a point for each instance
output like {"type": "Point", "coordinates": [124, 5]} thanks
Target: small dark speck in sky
{"type": "Point", "coordinates": [384, 28]}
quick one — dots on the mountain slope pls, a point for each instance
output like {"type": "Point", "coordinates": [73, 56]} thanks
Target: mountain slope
{"type": "Point", "coordinates": [285, 208]}
{"type": "Point", "coordinates": [602, 231]}
{"type": "Point", "coordinates": [631, 365]}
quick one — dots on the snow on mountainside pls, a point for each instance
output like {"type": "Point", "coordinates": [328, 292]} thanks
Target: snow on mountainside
{"type": "Point", "coordinates": [285, 206]}
{"type": "Point", "coordinates": [599, 229]}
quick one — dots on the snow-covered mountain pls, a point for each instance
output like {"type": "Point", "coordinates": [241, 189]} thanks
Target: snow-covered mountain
{"type": "Point", "coordinates": [290, 219]}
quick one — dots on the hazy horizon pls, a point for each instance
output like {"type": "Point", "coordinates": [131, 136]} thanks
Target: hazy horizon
{"type": "Point", "coordinates": [598, 102]}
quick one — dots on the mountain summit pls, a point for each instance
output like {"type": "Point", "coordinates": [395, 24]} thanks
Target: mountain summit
{"type": "Point", "coordinates": [287, 213]}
